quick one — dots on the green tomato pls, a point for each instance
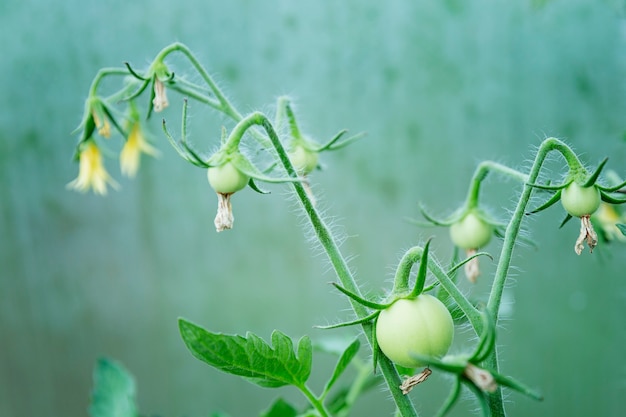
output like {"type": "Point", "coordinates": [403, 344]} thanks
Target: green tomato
{"type": "Point", "coordinates": [580, 201]}
{"type": "Point", "coordinates": [471, 232]}
{"type": "Point", "coordinates": [227, 179]}
{"type": "Point", "coordinates": [420, 326]}
{"type": "Point", "coordinates": [303, 160]}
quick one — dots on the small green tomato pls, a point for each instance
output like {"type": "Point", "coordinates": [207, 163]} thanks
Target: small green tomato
{"type": "Point", "coordinates": [471, 232]}
{"type": "Point", "coordinates": [303, 160]}
{"type": "Point", "coordinates": [580, 201]}
{"type": "Point", "coordinates": [226, 179]}
{"type": "Point", "coordinates": [420, 326]}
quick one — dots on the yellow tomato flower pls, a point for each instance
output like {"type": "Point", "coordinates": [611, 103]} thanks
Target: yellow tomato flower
{"type": "Point", "coordinates": [607, 217]}
{"type": "Point", "coordinates": [131, 152]}
{"type": "Point", "coordinates": [91, 172]}
{"type": "Point", "coordinates": [103, 126]}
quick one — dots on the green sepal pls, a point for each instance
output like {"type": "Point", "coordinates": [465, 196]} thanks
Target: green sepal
{"type": "Point", "coordinates": [594, 177]}
{"type": "Point", "coordinates": [280, 408]}
{"type": "Point", "coordinates": [152, 95]}
{"type": "Point", "coordinates": [181, 152]}
{"type": "Point", "coordinates": [481, 397]}
{"type": "Point", "coordinates": [453, 368]}
{"type": "Point", "coordinates": [361, 300]}
{"type": "Point", "coordinates": [567, 218]}
{"type": "Point", "coordinates": [251, 357]}
{"type": "Point", "coordinates": [556, 197]}
{"type": "Point", "coordinates": [611, 200]}
{"type": "Point", "coordinates": [622, 228]}
{"type": "Point", "coordinates": [362, 320]}
{"type": "Point", "coordinates": [514, 384]}
{"type": "Point", "coordinates": [134, 73]}
{"type": "Point", "coordinates": [343, 362]}
{"type": "Point", "coordinates": [456, 267]}
{"type": "Point", "coordinates": [447, 222]}
{"type": "Point", "coordinates": [109, 113]}
{"type": "Point", "coordinates": [451, 399]}
{"type": "Point", "coordinates": [253, 185]}
{"type": "Point", "coordinates": [613, 188]}
{"type": "Point", "coordinates": [332, 144]}
{"type": "Point", "coordinates": [246, 167]}
{"type": "Point", "coordinates": [137, 92]}
{"type": "Point", "coordinates": [113, 394]}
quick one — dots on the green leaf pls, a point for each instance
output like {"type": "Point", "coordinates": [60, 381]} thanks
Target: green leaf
{"type": "Point", "coordinates": [622, 228]}
{"type": "Point", "coordinates": [251, 357]}
{"type": "Point", "coordinates": [342, 364]}
{"type": "Point", "coordinates": [280, 408]}
{"type": "Point", "coordinates": [114, 391]}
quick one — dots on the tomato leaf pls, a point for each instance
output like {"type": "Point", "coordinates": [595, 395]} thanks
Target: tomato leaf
{"type": "Point", "coordinates": [342, 364]}
{"type": "Point", "coordinates": [114, 391]}
{"type": "Point", "coordinates": [280, 408]}
{"type": "Point", "coordinates": [251, 357]}
{"type": "Point", "coordinates": [622, 228]}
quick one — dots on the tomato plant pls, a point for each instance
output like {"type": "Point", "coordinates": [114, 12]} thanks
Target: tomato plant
{"type": "Point", "coordinates": [226, 178]}
{"type": "Point", "coordinates": [471, 232]}
{"type": "Point", "coordinates": [580, 201]}
{"type": "Point", "coordinates": [421, 326]}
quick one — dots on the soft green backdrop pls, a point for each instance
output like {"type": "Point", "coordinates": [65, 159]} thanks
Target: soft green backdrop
{"type": "Point", "coordinates": [438, 86]}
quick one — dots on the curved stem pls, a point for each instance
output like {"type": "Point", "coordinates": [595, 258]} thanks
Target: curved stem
{"type": "Point", "coordinates": [481, 173]}
{"type": "Point", "coordinates": [512, 231]}
{"type": "Point", "coordinates": [101, 74]}
{"type": "Point", "coordinates": [403, 271]}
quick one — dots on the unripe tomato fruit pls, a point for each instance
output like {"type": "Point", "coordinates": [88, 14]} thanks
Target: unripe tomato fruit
{"type": "Point", "coordinates": [471, 232]}
{"type": "Point", "coordinates": [420, 326]}
{"type": "Point", "coordinates": [580, 201]}
{"type": "Point", "coordinates": [226, 179]}
{"type": "Point", "coordinates": [303, 160]}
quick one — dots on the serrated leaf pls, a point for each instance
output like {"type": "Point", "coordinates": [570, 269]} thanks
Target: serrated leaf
{"type": "Point", "coordinates": [280, 408]}
{"type": "Point", "coordinates": [251, 357]}
{"type": "Point", "coordinates": [342, 363]}
{"type": "Point", "coordinates": [622, 228]}
{"type": "Point", "coordinates": [114, 391]}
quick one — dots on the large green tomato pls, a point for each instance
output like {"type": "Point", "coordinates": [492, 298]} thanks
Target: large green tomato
{"type": "Point", "coordinates": [226, 179]}
{"type": "Point", "coordinates": [580, 201]}
{"type": "Point", "coordinates": [471, 232]}
{"type": "Point", "coordinates": [420, 326]}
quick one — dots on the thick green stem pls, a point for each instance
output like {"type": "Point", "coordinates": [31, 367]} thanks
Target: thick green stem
{"type": "Point", "coordinates": [341, 268]}
{"type": "Point", "coordinates": [510, 237]}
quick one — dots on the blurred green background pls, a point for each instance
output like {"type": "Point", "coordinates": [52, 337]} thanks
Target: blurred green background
{"type": "Point", "coordinates": [437, 85]}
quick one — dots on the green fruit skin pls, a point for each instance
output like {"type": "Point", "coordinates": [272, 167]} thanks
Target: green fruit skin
{"type": "Point", "coordinates": [580, 201]}
{"type": "Point", "coordinates": [471, 232]}
{"type": "Point", "coordinates": [303, 160]}
{"type": "Point", "coordinates": [420, 326]}
{"type": "Point", "coordinates": [226, 179]}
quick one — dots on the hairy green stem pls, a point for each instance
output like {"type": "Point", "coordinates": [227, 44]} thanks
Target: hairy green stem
{"type": "Point", "coordinates": [341, 268]}
{"type": "Point", "coordinates": [496, 405]}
